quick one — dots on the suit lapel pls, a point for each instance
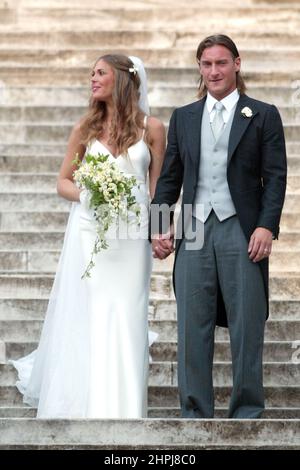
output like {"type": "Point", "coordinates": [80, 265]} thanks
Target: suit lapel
{"type": "Point", "coordinates": [193, 130]}
{"type": "Point", "coordinates": [239, 123]}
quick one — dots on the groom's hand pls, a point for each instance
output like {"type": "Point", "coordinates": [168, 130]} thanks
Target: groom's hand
{"type": "Point", "coordinates": [163, 245]}
{"type": "Point", "coordinates": [260, 245]}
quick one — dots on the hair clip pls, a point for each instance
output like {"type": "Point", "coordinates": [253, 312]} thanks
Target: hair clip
{"type": "Point", "coordinates": [133, 70]}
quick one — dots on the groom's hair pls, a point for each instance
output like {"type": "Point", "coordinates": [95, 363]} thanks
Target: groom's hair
{"type": "Point", "coordinates": [219, 40]}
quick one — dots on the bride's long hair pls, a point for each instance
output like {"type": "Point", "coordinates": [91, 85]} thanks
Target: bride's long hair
{"type": "Point", "coordinates": [127, 119]}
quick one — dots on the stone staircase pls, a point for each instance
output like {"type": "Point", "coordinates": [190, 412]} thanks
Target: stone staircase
{"type": "Point", "coordinates": [46, 52]}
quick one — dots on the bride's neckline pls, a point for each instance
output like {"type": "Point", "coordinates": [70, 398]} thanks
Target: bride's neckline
{"type": "Point", "coordinates": [120, 155]}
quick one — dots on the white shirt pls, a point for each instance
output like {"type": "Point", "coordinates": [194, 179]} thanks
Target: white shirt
{"type": "Point", "coordinates": [229, 102]}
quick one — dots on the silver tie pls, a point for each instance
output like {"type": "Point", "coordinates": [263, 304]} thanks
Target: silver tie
{"type": "Point", "coordinates": [218, 122]}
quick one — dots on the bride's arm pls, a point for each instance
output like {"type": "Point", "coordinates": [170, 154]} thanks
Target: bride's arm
{"type": "Point", "coordinates": [65, 185]}
{"type": "Point", "coordinates": [156, 137]}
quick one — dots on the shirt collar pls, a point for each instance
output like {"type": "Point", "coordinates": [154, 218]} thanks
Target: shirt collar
{"type": "Point", "coordinates": [229, 101]}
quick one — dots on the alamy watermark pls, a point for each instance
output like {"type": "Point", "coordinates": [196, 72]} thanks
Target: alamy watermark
{"type": "Point", "coordinates": [295, 97]}
{"type": "Point", "coordinates": [296, 354]}
{"type": "Point", "coordinates": [187, 226]}
{"type": "Point", "coordinates": [2, 352]}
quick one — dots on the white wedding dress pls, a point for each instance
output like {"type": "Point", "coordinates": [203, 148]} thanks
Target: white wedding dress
{"type": "Point", "coordinates": [93, 356]}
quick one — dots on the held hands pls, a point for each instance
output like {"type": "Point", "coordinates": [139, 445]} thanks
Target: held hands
{"type": "Point", "coordinates": [260, 245]}
{"type": "Point", "coordinates": [163, 244]}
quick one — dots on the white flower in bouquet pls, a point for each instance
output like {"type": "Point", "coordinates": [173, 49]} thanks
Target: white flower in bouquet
{"type": "Point", "coordinates": [110, 193]}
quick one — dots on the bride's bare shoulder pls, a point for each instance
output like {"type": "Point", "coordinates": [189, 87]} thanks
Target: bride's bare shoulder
{"type": "Point", "coordinates": [155, 129]}
{"type": "Point", "coordinates": [154, 124]}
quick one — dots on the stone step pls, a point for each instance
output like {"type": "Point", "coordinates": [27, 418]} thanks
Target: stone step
{"type": "Point", "coordinates": [43, 149]}
{"type": "Point", "coordinates": [35, 132]}
{"type": "Point", "coordinates": [42, 113]}
{"type": "Point", "coordinates": [30, 330]}
{"type": "Point", "coordinates": [166, 412]}
{"type": "Point", "coordinates": [265, 60]}
{"type": "Point", "coordinates": [60, 132]}
{"type": "Point", "coordinates": [155, 38]}
{"type": "Point", "coordinates": [290, 221]}
{"type": "Point", "coordinates": [274, 351]}
{"type": "Point", "coordinates": [159, 309]}
{"type": "Point", "coordinates": [276, 330]}
{"type": "Point", "coordinates": [136, 14]}
{"type": "Point", "coordinates": [165, 373]}
{"type": "Point", "coordinates": [55, 221]}
{"type": "Point", "coordinates": [167, 396]}
{"type": "Point", "coordinates": [58, 114]}
{"type": "Point", "coordinates": [282, 96]}
{"type": "Point", "coordinates": [34, 252]}
{"type": "Point", "coordinates": [293, 164]}
{"type": "Point", "coordinates": [51, 201]}
{"type": "Point", "coordinates": [278, 396]}
{"type": "Point", "coordinates": [287, 241]}
{"type": "Point", "coordinates": [39, 286]}
{"type": "Point", "coordinates": [37, 221]}
{"type": "Point", "coordinates": [28, 182]}
{"type": "Point", "coordinates": [282, 261]}
{"type": "Point", "coordinates": [140, 5]}
{"type": "Point", "coordinates": [254, 39]}
{"type": "Point", "coordinates": [289, 113]}
{"type": "Point", "coordinates": [51, 164]}
{"type": "Point", "coordinates": [54, 149]}
{"type": "Point", "coordinates": [293, 185]}
{"type": "Point", "coordinates": [27, 412]}
{"type": "Point", "coordinates": [50, 4]}
{"type": "Point", "coordinates": [86, 39]}
{"type": "Point", "coordinates": [40, 164]}
{"type": "Point", "coordinates": [45, 261]}
{"type": "Point", "coordinates": [34, 201]}
{"type": "Point", "coordinates": [160, 351]}
{"type": "Point", "coordinates": [176, 18]}
{"type": "Point", "coordinates": [37, 261]}
{"type": "Point", "coordinates": [46, 182]}
{"type": "Point", "coordinates": [53, 241]}
{"type": "Point", "coordinates": [29, 433]}
{"type": "Point", "coordinates": [32, 241]}
{"type": "Point", "coordinates": [159, 95]}
{"type": "Point", "coordinates": [38, 74]}
{"type": "Point", "coordinates": [163, 309]}
{"type": "Point", "coordinates": [283, 286]}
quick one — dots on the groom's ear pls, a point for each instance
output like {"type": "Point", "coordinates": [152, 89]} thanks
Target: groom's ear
{"type": "Point", "coordinates": [237, 63]}
{"type": "Point", "coordinates": [199, 67]}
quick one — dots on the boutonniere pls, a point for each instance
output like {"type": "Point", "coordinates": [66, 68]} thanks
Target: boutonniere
{"type": "Point", "coordinates": [247, 112]}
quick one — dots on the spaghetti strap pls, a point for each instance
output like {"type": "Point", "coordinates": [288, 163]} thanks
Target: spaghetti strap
{"type": "Point", "coordinates": [145, 124]}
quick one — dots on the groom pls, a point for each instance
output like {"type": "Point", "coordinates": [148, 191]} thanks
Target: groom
{"type": "Point", "coordinates": [228, 152]}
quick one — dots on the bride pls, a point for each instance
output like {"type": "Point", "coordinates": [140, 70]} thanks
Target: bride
{"type": "Point", "coordinates": [92, 358]}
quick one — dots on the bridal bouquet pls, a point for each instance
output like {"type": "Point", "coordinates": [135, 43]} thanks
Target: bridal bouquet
{"type": "Point", "coordinates": [110, 196]}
